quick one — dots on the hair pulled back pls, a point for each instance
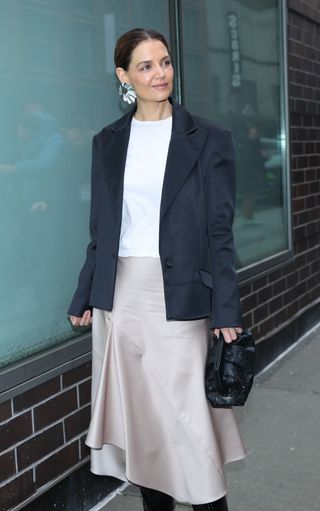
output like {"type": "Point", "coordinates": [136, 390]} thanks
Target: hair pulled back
{"type": "Point", "coordinates": [130, 40]}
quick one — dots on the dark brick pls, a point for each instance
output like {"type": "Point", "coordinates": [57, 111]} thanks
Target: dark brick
{"type": "Point", "coordinates": [245, 289]}
{"type": "Point", "coordinates": [298, 176]}
{"type": "Point", "coordinates": [275, 304]}
{"type": "Point", "coordinates": [315, 267]}
{"type": "Point", "coordinates": [311, 256]}
{"type": "Point", "coordinates": [279, 286]}
{"type": "Point", "coordinates": [75, 375]}
{"type": "Point", "coordinates": [84, 449]}
{"type": "Point", "coordinates": [56, 464]}
{"type": "Point", "coordinates": [312, 282]}
{"type": "Point", "coordinates": [5, 411]}
{"type": "Point", "coordinates": [315, 293]}
{"type": "Point", "coordinates": [16, 491]}
{"type": "Point", "coordinates": [39, 446]}
{"type": "Point", "coordinates": [259, 283]}
{"type": "Point", "coordinates": [293, 308]}
{"type": "Point", "coordinates": [264, 294]}
{"type": "Point", "coordinates": [37, 394]}
{"type": "Point", "coordinates": [310, 201]}
{"type": "Point", "coordinates": [304, 272]}
{"type": "Point", "coordinates": [7, 465]}
{"type": "Point", "coordinates": [15, 430]}
{"type": "Point", "coordinates": [247, 320]}
{"type": "Point", "coordinates": [55, 408]}
{"type": "Point", "coordinates": [85, 392]}
{"type": "Point", "coordinates": [292, 279]}
{"type": "Point", "coordinates": [255, 332]}
{"type": "Point", "coordinates": [260, 313]}
{"type": "Point", "coordinates": [265, 327]}
{"type": "Point", "coordinates": [299, 233]}
{"type": "Point", "coordinates": [301, 288]}
{"type": "Point", "coordinates": [298, 204]}
{"type": "Point", "coordinates": [315, 214]}
{"type": "Point", "coordinates": [304, 300]}
{"type": "Point", "coordinates": [280, 317]}
{"type": "Point", "coordinates": [289, 296]}
{"type": "Point", "coordinates": [77, 423]}
{"type": "Point", "coordinates": [310, 174]}
{"type": "Point", "coordinates": [275, 275]}
{"type": "Point", "coordinates": [249, 303]}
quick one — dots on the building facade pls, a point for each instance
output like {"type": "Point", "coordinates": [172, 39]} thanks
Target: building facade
{"type": "Point", "coordinates": [253, 67]}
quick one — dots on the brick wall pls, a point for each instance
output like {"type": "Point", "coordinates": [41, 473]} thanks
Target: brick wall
{"type": "Point", "coordinates": [42, 435]}
{"type": "Point", "coordinates": [271, 300]}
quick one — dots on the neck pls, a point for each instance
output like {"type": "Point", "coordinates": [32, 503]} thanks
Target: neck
{"type": "Point", "coordinates": [154, 111]}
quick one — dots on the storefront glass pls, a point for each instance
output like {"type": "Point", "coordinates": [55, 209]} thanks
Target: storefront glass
{"type": "Point", "coordinates": [58, 87]}
{"type": "Point", "coordinates": [233, 74]}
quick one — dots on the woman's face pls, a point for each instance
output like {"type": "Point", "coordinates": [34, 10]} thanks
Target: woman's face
{"type": "Point", "coordinates": [150, 71]}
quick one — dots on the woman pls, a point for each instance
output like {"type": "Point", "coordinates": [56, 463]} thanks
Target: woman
{"type": "Point", "coordinates": [161, 220]}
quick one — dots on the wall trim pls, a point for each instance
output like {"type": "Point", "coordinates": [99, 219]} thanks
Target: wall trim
{"type": "Point", "coordinates": [32, 371]}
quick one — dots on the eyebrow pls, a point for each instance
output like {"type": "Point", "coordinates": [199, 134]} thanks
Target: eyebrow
{"type": "Point", "coordinates": [148, 61]}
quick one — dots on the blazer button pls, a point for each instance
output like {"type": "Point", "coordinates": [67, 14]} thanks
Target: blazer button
{"type": "Point", "coordinates": [169, 264]}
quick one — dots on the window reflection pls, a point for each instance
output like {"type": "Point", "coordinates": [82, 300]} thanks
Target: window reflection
{"type": "Point", "coordinates": [233, 71]}
{"type": "Point", "coordinates": [57, 78]}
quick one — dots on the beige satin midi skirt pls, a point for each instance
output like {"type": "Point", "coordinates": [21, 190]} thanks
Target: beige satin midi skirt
{"type": "Point", "coordinates": [151, 423]}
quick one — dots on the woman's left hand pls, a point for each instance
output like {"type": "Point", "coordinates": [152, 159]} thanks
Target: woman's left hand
{"type": "Point", "coordinates": [229, 333]}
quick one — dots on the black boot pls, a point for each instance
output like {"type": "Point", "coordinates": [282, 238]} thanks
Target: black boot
{"type": "Point", "coordinates": [154, 500]}
{"type": "Point", "coordinates": [217, 505]}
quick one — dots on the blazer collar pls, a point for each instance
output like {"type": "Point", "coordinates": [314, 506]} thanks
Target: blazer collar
{"type": "Point", "coordinates": [182, 121]}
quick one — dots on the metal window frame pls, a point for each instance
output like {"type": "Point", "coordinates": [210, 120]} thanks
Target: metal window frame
{"type": "Point", "coordinates": [281, 258]}
{"type": "Point", "coordinates": [32, 371]}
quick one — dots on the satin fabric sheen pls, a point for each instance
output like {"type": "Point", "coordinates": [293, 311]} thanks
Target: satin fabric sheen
{"type": "Point", "coordinates": [151, 423]}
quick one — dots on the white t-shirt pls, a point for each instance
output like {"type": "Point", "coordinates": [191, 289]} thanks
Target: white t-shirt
{"type": "Point", "coordinates": [143, 180]}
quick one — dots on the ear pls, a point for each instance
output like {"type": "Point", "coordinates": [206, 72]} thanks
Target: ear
{"type": "Point", "coordinates": [122, 75]}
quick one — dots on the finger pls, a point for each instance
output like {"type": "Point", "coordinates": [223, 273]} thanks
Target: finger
{"type": "Point", "coordinates": [74, 320]}
{"type": "Point", "coordinates": [227, 335]}
{"type": "Point", "coordinates": [239, 329]}
{"type": "Point", "coordinates": [216, 332]}
{"type": "Point", "coordinates": [82, 321]}
{"type": "Point", "coordinates": [85, 318]}
{"type": "Point", "coordinates": [233, 333]}
{"type": "Point", "coordinates": [88, 318]}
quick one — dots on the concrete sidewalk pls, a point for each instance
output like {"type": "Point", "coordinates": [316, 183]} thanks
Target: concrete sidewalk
{"type": "Point", "coordinates": [280, 425]}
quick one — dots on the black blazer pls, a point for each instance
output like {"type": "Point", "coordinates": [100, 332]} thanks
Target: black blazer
{"type": "Point", "coordinates": [196, 216]}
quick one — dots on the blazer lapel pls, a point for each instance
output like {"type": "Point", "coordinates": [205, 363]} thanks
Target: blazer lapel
{"type": "Point", "coordinates": [185, 146]}
{"type": "Point", "coordinates": [115, 149]}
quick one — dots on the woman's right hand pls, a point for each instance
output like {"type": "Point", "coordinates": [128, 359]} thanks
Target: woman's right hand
{"type": "Point", "coordinates": [83, 320]}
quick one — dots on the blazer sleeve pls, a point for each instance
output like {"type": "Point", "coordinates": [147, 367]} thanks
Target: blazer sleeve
{"type": "Point", "coordinates": [220, 204]}
{"type": "Point", "coordinates": [80, 300]}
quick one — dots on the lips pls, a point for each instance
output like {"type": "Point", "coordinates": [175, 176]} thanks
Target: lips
{"type": "Point", "coordinates": [160, 85]}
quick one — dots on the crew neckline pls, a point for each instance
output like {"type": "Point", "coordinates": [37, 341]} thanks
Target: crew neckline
{"type": "Point", "coordinates": [159, 121]}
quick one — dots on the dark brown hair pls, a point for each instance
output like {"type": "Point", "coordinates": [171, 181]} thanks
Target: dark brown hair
{"type": "Point", "coordinates": [130, 40]}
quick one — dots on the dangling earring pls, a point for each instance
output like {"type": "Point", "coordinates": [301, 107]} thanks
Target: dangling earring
{"type": "Point", "coordinates": [127, 93]}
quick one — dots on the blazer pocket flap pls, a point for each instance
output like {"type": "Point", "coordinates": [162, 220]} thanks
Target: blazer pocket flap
{"type": "Point", "coordinates": [206, 278]}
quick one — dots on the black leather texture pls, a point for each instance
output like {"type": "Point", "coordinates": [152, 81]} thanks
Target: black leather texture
{"type": "Point", "coordinates": [230, 370]}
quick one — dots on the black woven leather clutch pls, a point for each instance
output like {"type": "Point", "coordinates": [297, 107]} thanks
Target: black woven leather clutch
{"type": "Point", "coordinates": [230, 370]}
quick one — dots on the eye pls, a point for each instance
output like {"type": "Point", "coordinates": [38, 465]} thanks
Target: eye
{"type": "Point", "coordinates": [145, 67]}
{"type": "Point", "coordinates": [166, 63]}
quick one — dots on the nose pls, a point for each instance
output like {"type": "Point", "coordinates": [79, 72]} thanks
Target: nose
{"type": "Point", "coordinates": [160, 72]}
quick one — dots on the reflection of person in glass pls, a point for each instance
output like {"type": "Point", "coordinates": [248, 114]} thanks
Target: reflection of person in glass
{"type": "Point", "coordinates": [251, 163]}
{"type": "Point", "coordinates": [161, 218]}
{"type": "Point", "coordinates": [41, 145]}
{"type": "Point", "coordinates": [37, 173]}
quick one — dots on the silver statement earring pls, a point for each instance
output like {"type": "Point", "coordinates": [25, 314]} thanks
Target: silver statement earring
{"type": "Point", "coordinates": [127, 93]}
